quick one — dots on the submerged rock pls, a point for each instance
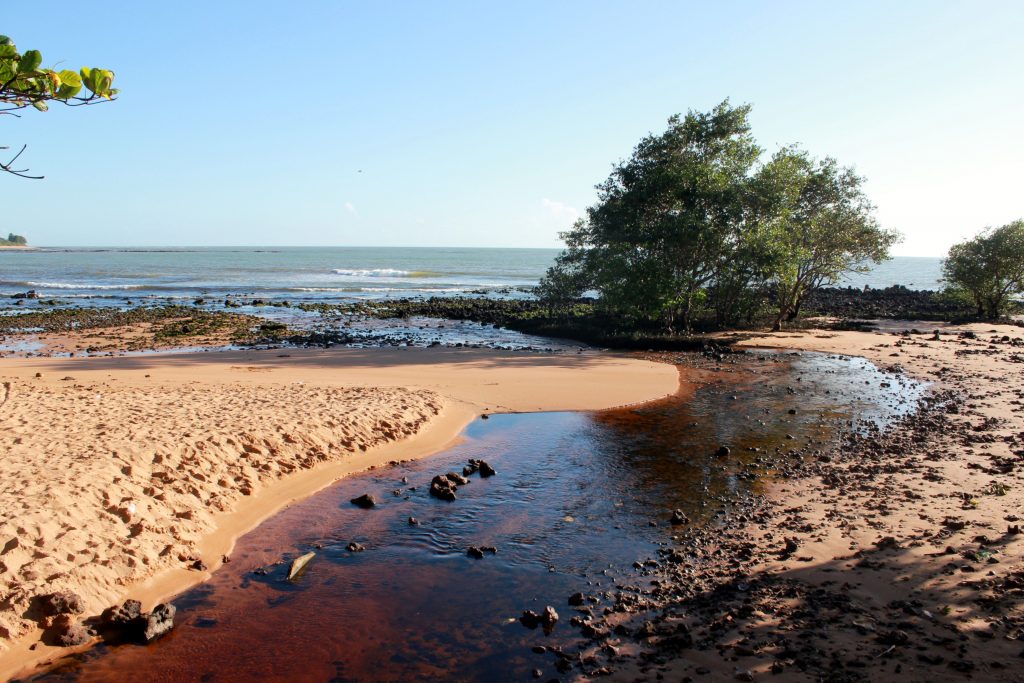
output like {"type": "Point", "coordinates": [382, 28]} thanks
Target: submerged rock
{"type": "Point", "coordinates": [365, 501]}
{"type": "Point", "coordinates": [442, 487]}
{"type": "Point", "coordinates": [679, 517]}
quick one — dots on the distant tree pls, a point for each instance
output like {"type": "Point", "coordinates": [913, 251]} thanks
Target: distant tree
{"type": "Point", "coordinates": [694, 224]}
{"type": "Point", "coordinates": [664, 218]}
{"type": "Point", "coordinates": [14, 240]}
{"type": "Point", "coordinates": [25, 83]}
{"type": "Point", "coordinates": [989, 268]}
{"type": "Point", "coordinates": [815, 225]}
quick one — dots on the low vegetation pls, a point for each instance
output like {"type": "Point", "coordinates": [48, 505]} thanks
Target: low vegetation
{"type": "Point", "coordinates": [13, 241]}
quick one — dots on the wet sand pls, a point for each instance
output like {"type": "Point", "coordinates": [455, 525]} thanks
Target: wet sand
{"type": "Point", "coordinates": [133, 476]}
{"type": "Point", "coordinates": [892, 556]}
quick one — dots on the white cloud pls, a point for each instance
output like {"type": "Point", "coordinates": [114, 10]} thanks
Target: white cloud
{"type": "Point", "coordinates": [351, 209]}
{"type": "Point", "coordinates": [563, 212]}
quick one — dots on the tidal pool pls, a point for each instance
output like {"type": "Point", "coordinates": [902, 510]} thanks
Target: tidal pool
{"type": "Point", "coordinates": [578, 497]}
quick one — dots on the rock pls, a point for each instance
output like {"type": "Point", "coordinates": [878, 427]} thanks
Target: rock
{"type": "Point", "coordinates": [69, 632]}
{"type": "Point", "coordinates": [530, 619]}
{"type": "Point", "coordinates": [354, 547]}
{"type": "Point", "coordinates": [792, 544]}
{"type": "Point", "coordinates": [121, 617]}
{"type": "Point", "coordinates": [158, 622]}
{"type": "Point", "coordinates": [486, 470]}
{"type": "Point", "coordinates": [413, 521]}
{"type": "Point", "coordinates": [549, 617]}
{"type": "Point", "coordinates": [475, 552]}
{"type": "Point", "coordinates": [457, 479]}
{"type": "Point", "coordinates": [64, 602]}
{"type": "Point", "coordinates": [442, 487]}
{"type": "Point", "coordinates": [576, 599]}
{"type": "Point", "coordinates": [723, 451]}
{"type": "Point", "coordinates": [893, 638]}
{"type": "Point", "coordinates": [887, 543]}
{"type": "Point", "coordinates": [365, 501]}
{"type": "Point", "coordinates": [679, 517]}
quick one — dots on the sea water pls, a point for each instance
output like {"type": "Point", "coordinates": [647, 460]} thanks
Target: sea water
{"type": "Point", "coordinates": [116, 276]}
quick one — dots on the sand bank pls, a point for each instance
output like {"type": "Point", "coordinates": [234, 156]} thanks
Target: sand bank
{"type": "Point", "coordinates": [132, 476]}
{"type": "Point", "coordinates": [922, 536]}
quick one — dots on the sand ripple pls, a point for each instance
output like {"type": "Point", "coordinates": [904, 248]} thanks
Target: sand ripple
{"type": "Point", "coordinates": [102, 486]}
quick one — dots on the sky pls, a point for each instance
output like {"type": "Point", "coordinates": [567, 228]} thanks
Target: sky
{"type": "Point", "coordinates": [489, 124]}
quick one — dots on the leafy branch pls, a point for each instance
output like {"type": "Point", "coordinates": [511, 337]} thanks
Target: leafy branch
{"type": "Point", "coordinates": [24, 82]}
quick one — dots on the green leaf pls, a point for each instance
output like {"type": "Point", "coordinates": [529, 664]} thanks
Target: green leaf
{"type": "Point", "coordinates": [70, 78]}
{"type": "Point", "coordinates": [9, 52]}
{"type": "Point", "coordinates": [98, 80]}
{"type": "Point", "coordinates": [4, 40]}
{"type": "Point", "coordinates": [30, 61]}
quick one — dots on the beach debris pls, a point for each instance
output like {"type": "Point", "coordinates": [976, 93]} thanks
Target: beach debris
{"type": "Point", "coordinates": [64, 602]}
{"type": "Point", "coordinates": [354, 547]}
{"type": "Point", "coordinates": [298, 564]}
{"type": "Point", "coordinates": [365, 501]}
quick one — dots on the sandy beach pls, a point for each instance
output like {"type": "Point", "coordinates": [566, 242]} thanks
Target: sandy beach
{"type": "Point", "coordinates": [132, 476]}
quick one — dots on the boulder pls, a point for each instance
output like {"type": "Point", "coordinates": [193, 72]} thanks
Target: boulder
{"type": "Point", "coordinates": [158, 622]}
{"type": "Point", "coordinates": [442, 487]}
{"type": "Point", "coordinates": [365, 501]}
{"type": "Point", "coordinates": [121, 617]}
{"type": "Point", "coordinates": [69, 632]}
{"type": "Point", "coordinates": [64, 602]}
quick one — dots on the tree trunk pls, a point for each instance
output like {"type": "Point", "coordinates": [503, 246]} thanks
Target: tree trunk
{"type": "Point", "coordinates": [794, 312]}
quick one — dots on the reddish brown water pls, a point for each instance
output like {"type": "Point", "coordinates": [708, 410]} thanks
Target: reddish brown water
{"type": "Point", "coordinates": [570, 508]}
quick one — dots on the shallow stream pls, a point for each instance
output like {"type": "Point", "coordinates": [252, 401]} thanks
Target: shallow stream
{"type": "Point", "coordinates": [578, 498]}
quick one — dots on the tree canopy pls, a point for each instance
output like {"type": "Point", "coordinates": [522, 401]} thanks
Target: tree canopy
{"type": "Point", "coordinates": [989, 268]}
{"type": "Point", "coordinates": [24, 82]}
{"type": "Point", "coordinates": [695, 225]}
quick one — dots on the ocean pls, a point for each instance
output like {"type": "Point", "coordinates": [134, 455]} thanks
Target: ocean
{"type": "Point", "coordinates": [130, 276]}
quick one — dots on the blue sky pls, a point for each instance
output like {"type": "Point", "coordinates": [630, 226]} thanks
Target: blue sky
{"type": "Point", "coordinates": [488, 124]}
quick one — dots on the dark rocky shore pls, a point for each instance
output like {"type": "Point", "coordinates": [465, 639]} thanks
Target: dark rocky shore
{"type": "Point", "coordinates": [750, 595]}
